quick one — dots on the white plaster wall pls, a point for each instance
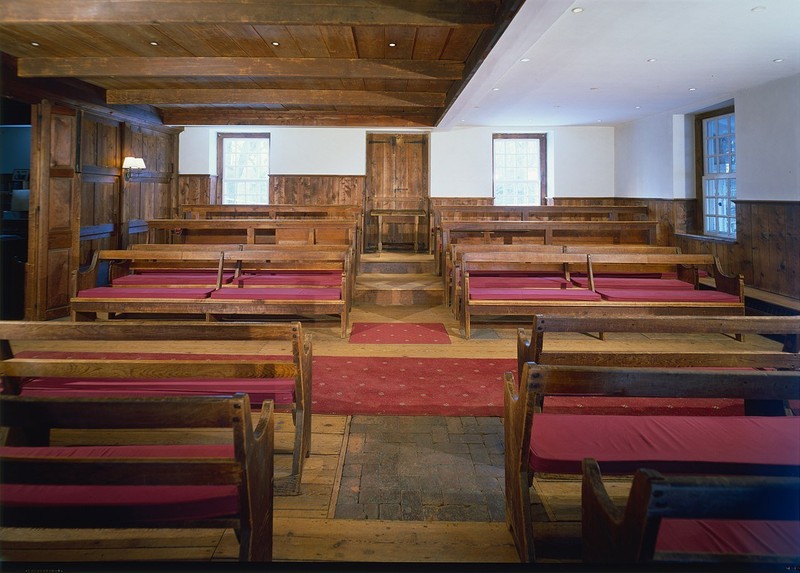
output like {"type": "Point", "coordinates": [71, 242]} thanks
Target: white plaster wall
{"type": "Point", "coordinates": [318, 151]}
{"type": "Point", "coordinates": [768, 141]}
{"type": "Point", "coordinates": [196, 156]}
{"type": "Point", "coordinates": [644, 158]}
{"type": "Point", "coordinates": [461, 163]}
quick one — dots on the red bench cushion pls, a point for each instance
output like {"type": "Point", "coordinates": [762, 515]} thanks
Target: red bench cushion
{"type": "Point", "coordinates": [721, 536]}
{"type": "Point", "coordinates": [277, 294]}
{"type": "Point", "coordinates": [689, 444]}
{"type": "Point", "coordinates": [146, 293]}
{"type": "Point", "coordinates": [518, 282]}
{"type": "Point", "coordinates": [321, 279]}
{"type": "Point", "coordinates": [183, 279]}
{"type": "Point", "coordinates": [629, 282]}
{"type": "Point", "coordinates": [573, 294]}
{"type": "Point", "coordinates": [281, 390]}
{"type": "Point", "coordinates": [137, 503]}
{"type": "Point", "coordinates": [665, 295]}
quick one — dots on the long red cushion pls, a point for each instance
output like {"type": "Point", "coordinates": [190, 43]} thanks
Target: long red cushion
{"type": "Point", "coordinates": [666, 295]}
{"type": "Point", "coordinates": [277, 294]}
{"type": "Point", "coordinates": [573, 294]}
{"type": "Point", "coordinates": [146, 293]}
{"type": "Point", "coordinates": [280, 390]}
{"type": "Point", "coordinates": [155, 279]}
{"type": "Point", "coordinates": [518, 282]}
{"type": "Point", "coordinates": [670, 444]}
{"type": "Point", "coordinates": [138, 503]}
{"type": "Point", "coordinates": [326, 279]}
{"type": "Point", "coordinates": [753, 537]}
{"type": "Point", "coordinates": [629, 282]}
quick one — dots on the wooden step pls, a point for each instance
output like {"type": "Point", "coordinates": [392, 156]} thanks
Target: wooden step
{"type": "Point", "coordinates": [398, 289]}
{"type": "Point", "coordinates": [396, 263]}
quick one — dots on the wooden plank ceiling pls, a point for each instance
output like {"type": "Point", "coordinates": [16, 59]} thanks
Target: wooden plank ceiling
{"type": "Point", "coordinates": [268, 62]}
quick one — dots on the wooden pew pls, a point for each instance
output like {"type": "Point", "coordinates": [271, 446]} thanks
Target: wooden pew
{"type": "Point", "coordinates": [45, 485]}
{"type": "Point", "coordinates": [723, 519]}
{"type": "Point", "coordinates": [640, 295]}
{"type": "Point", "coordinates": [285, 381]}
{"type": "Point", "coordinates": [538, 442]}
{"type": "Point", "coordinates": [271, 211]}
{"type": "Point", "coordinates": [548, 232]}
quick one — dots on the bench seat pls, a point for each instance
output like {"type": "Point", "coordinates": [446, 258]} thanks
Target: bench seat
{"type": "Point", "coordinates": [518, 282]}
{"type": "Point", "coordinates": [632, 282]}
{"type": "Point", "coordinates": [726, 536]}
{"type": "Point", "coordinates": [171, 279]}
{"type": "Point", "coordinates": [322, 279]}
{"type": "Point", "coordinates": [148, 293]}
{"type": "Point", "coordinates": [622, 444]}
{"type": "Point", "coordinates": [134, 503]}
{"type": "Point", "coordinates": [667, 295]}
{"type": "Point", "coordinates": [256, 293]}
{"type": "Point", "coordinates": [556, 294]}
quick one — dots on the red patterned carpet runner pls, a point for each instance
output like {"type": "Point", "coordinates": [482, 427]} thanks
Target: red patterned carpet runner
{"type": "Point", "coordinates": [399, 333]}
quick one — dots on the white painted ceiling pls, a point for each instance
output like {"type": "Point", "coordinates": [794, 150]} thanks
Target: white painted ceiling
{"type": "Point", "coordinates": [592, 67]}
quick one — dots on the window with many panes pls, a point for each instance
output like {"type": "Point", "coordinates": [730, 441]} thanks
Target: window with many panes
{"type": "Point", "coordinates": [520, 168]}
{"type": "Point", "coordinates": [718, 180]}
{"type": "Point", "coordinates": [243, 168]}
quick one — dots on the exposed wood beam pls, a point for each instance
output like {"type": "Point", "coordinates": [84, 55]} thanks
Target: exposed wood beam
{"type": "Point", "coordinates": [342, 98]}
{"type": "Point", "coordinates": [255, 67]}
{"type": "Point", "coordinates": [214, 116]}
{"type": "Point", "coordinates": [278, 12]}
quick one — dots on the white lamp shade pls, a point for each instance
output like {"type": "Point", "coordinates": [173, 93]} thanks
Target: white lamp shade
{"type": "Point", "coordinates": [133, 163]}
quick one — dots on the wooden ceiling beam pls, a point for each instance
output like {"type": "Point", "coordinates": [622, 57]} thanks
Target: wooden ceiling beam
{"type": "Point", "coordinates": [279, 12]}
{"type": "Point", "coordinates": [215, 116]}
{"type": "Point", "coordinates": [339, 98]}
{"type": "Point", "coordinates": [160, 67]}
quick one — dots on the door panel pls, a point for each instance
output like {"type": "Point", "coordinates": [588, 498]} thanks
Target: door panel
{"type": "Point", "coordinates": [397, 178]}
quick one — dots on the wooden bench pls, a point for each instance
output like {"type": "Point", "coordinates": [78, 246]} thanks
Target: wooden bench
{"type": "Point", "coordinates": [272, 211]}
{"type": "Point", "coordinates": [647, 292]}
{"type": "Point", "coordinates": [539, 442]}
{"type": "Point", "coordinates": [48, 370]}
{"type": "Point", "coordinates": [171, 293]}
{"type": "Point", "coordinates": [97, 484]}
{"type": "Point", "coordinates": [546, 232]}
{"type": "Point", "coordinates": [679, 519]}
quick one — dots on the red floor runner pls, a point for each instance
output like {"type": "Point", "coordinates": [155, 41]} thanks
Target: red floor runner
{"type": "Point", "coordinates": [399, 333]}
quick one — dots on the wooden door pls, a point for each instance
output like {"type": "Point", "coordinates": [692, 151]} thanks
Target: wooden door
{"type": "Point", "coordinates": [397, 178]}
{"type": "Point", "coordinates": [54, 205]}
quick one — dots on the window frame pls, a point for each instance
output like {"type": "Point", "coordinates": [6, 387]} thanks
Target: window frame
{"type": "Point", "coordinates": [700, 172]}
{"type": "Point", "coordinates": [542, 138]}
{"type": "Point", "coordinates": [221, 137]}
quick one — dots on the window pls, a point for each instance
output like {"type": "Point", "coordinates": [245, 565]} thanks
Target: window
{"type": "Point", "coordinates": [243, 166]}
{"type": "Point", "coordinates": [718, 179]}
{"type": "Point", "coordinates": [520, 169]}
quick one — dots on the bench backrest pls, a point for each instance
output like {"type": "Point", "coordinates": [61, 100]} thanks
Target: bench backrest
{"type": "Point", "coordinates": [29, 421]}
{"type": "Point", "coordinates": [524, 261]}
{"type": "Point", "coordinates": [630, 536]}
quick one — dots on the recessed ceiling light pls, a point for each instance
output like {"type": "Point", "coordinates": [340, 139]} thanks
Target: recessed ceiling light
{"type": "Point", "coordinates": [392, 44]}
{"type": "Point", "coordinates": [577, 10]}
{"type": "Point", "coordinates": [154, 43]}
{"type": "Point", "coordinates": [495, 89]}
{"type": "Point", "coordinates": [758, 8]}
{"type": "Point", "coordinates": [638, 107]}
{"type": "Point", "coordinates": [276, 43]}
{"type": "Point", "coordinates": [35, 44]}
{"type": "Point", "coordinates": [525, 60]}
{"type": "Point", "coordinates": [778, 60]}
{"type": "Point", "coordinates": [651, 60]}
{"type": "Point", "coordinates": [692, 89]}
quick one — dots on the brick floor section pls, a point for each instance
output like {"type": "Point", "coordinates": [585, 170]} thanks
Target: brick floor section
{"type": "Point", "coordinates": [420, 468]}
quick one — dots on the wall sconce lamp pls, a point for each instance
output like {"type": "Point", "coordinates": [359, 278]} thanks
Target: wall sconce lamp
{"type": "Point", "coordinates": [131, 163]}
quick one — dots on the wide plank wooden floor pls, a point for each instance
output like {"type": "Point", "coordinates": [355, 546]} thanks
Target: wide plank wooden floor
{"type": "Point", "coordinates": [305, 527]}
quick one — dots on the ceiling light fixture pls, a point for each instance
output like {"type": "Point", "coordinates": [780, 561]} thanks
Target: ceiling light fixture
{"type": "Point", "coordinates": [758, 8]}
{"type": "Point", "coordinates": [577, 10]}
{"type": "Point", "coordinates": [692, 89]}
{"type": "Point", "coordinates": [525, 60]}
{"type": "Point", "coordinates": [495, 89]}
{"type": "Point", "coordinates": [392, 44]}
{"type": "Point", "coordinates": [154, 43]}
{"type": "Point", "coordinates": [276, 43]}
{"type": "Point", "coordinates": [35, 44]}
{"type": "Point", "coordinates": [651, 60]}
{"type": "Point", "coordinates": [777, 60]}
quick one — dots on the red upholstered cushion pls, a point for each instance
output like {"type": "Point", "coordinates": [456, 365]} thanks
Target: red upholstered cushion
{"type": "Point", "coordinates": [322, 279]}
{"type": "Point", "coordinates": [573, 294]}
{"type": "Point", "coordinates": [630, 282]}
{"type": "Point", "coordinates": [277, 294]}
{"type": "Point", "coordinates": [280, 390]}
{"type": "Point", "coordinates": [690, 444]}
{"type": "Point", "coordinates": [666, 295]}
{"type": "Point", "coordinates": [208, 278]}
{"type": "Point", "coordinates": [518, 282]}
{"type": "Point", "coordinates": [138, 503]}
{"type": "Point", "coordinates": [731, 537]}
{"type": "Point", "coordinates": [146, 293]}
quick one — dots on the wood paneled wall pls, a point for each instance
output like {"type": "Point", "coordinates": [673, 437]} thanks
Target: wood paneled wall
{"type": "Point", "coordinates": [436, 202]}
{"type": "Point", "coordinates": [317, 189]}
{"type": "Point", "coordinates": [197, 190]}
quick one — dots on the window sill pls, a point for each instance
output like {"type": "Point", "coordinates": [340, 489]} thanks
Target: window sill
{"type": "Point", "coordinates": [707, 238]}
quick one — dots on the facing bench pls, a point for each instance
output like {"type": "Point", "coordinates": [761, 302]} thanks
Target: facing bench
{"type": "Point", "coordinates": [191, 484]}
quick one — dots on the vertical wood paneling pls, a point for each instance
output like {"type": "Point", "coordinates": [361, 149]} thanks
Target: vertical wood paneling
{"type": "Point", "coordinates": [316, 189]}
{"type": "Point", "coordinates": [197, 190]}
